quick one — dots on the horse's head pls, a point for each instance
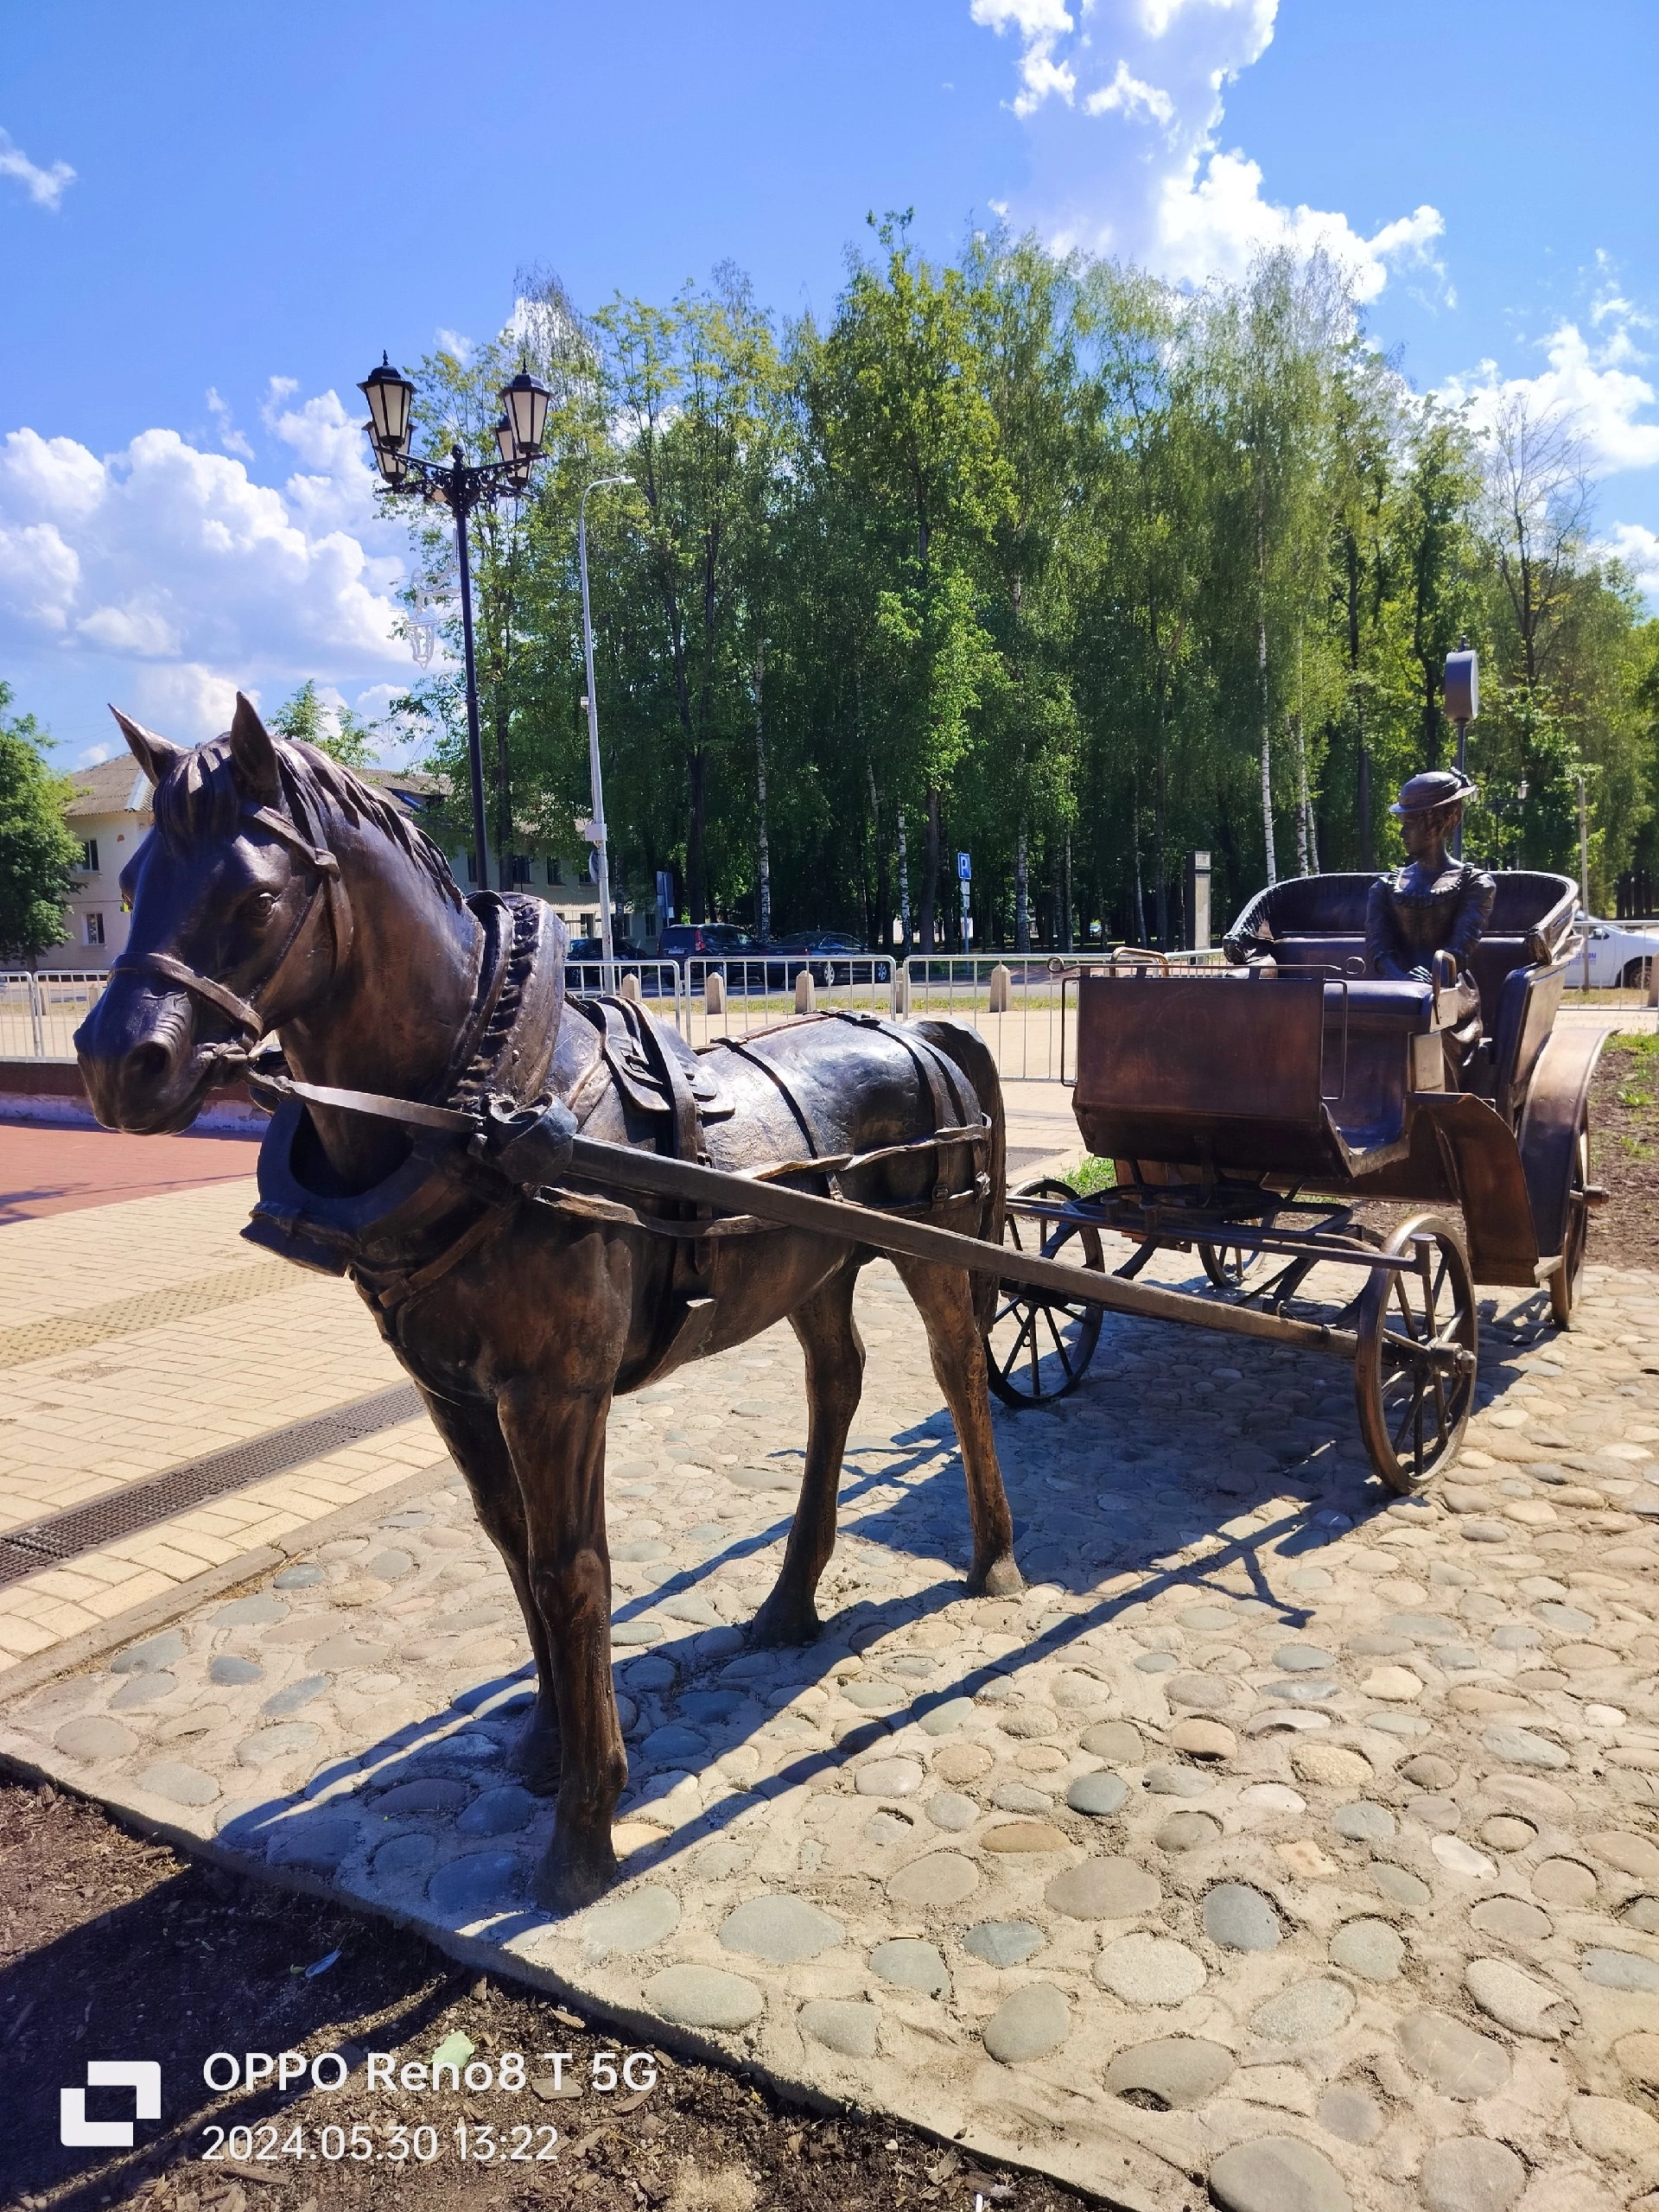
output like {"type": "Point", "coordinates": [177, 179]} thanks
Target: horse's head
{"type": "Point", "coordinates": [239, 921]}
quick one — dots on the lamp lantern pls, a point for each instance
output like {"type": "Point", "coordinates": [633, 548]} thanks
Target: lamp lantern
{"type": "Point", "coordinates": [391, 395]}
{"type": "Point", "coordinates": [526, 400]}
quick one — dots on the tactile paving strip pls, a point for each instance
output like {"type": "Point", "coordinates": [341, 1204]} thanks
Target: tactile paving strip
{"type": "Point", "coordinates": [141, 1505]}
{"type": "Point", "coordinates": [149, 1309]}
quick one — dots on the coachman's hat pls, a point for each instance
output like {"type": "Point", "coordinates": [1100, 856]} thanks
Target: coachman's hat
{"type": "Point", "coordinates": [1434, 787]}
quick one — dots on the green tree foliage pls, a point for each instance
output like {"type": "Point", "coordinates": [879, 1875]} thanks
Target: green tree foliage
{"type": "Point", "coordinates": [340, 734]}
{"type": "Point", "coordinates": [1034, 557]}
{"type": "Point", "coordinates": [39, 852]}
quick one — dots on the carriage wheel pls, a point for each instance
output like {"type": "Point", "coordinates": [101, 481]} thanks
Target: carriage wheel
{"type": "Point", "coordinates": [1564, 1283]}
{"type": "Point", "coordinates": [1231, 1268]}
{"type": "Point", "coordinates": [1037, 1347]}
{"type": "Point", "coordinates": [1414, 1371]}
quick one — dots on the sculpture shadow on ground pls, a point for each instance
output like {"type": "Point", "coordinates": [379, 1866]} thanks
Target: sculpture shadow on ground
{"type": "Point", "coordinates": [429, 1822]}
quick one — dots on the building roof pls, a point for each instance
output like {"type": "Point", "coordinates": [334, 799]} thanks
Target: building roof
{"type": "Point", "coordinates": [115, 786]}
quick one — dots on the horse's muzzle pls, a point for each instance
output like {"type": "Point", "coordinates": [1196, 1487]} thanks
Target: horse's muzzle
{"type": "Point", "coordinates": [143, 1070]}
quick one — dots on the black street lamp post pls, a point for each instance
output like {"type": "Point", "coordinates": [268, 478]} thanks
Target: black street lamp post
{"type": "Point", "coordinates": [461, 485]}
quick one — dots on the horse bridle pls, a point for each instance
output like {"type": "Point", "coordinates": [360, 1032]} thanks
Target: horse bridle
{"type": "Point", "coordinates": [248, 1014]}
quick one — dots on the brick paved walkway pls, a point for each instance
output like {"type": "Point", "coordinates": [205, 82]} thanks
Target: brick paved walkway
{"type": "Point", "coordinates": [50, 1170]}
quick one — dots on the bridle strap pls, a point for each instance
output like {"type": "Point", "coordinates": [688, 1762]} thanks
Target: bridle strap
{"type": "Point", "coordinates": [247, 1013]}
{"type": "Point", "coordinates": [174, 971]}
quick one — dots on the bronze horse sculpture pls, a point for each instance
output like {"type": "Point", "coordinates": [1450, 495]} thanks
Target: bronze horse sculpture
{"type": "Point", "coordinates": [279, 896]}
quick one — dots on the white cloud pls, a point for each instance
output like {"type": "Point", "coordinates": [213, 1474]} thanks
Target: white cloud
{"type": "Point", "coordinates": [1131, 96]}
{"type": "Point", "coordinates": [1125, 104]}
{"type": "Point", "coordinates": [174, 566]}
{"type": "Point", "coordinates": [44, 187]}
{"type": "Point", "coordinates": [1609, 406]}
{"type": "Point", "coordinates": [1039, 24]}
{"type": "Point", "coordinates": [456, 344]}
{"type": "Point", "coordinates": [1637, 547]}
{"type": "Point", "coordinates": [229, 436]}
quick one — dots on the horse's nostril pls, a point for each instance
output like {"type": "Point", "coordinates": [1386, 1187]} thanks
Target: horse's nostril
{"type": "Point", "coordinates": [147, 1063]}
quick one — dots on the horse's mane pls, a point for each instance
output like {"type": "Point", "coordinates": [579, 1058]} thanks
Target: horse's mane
{"type": "Point", "coordinates": [200, 796]}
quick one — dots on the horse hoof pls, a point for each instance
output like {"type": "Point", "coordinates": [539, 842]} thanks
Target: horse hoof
{"type": "Point", "coordinates": [779, 1625]}
{"type": "Point", "coordinates": [1002, 1579]}
{"type": "Point", "coordinates": [575, 1874]}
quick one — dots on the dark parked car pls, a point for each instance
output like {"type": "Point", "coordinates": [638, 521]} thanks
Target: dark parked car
{"type": "Point", "coordinates": [835, 957]}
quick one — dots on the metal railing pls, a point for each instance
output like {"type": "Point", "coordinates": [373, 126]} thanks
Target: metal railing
{"type": "Point", "coordinates": [40, 1011]}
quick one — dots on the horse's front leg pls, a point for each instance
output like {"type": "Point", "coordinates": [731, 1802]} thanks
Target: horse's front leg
{"type": "Point", "coordinates": [555, 1434]}
{"type": "Point", "coordinates": [835, 1380]}
{"type": "Point", "coordinates": [473, 1433]}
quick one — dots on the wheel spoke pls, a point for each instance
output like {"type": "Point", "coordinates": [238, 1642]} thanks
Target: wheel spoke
{"type": "Point", "coordinates": [1060, 1346]}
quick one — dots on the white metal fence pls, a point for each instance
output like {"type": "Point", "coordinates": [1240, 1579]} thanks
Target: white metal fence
{"type": "Point", "coordinates": [41, 1012]}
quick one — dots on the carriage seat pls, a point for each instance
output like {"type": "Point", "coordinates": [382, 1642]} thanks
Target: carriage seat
{"type": "Point", "coordinates": [1318, 921]}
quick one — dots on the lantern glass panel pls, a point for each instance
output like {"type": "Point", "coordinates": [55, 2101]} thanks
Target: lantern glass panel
{"type": "Point", "coordinates": [527, 401]}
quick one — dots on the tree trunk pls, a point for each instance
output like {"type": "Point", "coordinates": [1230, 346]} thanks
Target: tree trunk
{"type": "Point", "coordinates": [1140, 930]}
{"type": "Point", "coordinates": [765, 856]}
{"type": "Point", "coordinates": [697, 890]}
{"type": "Point", "coordinates": [1367, 855]}
{"type": "Point", "coordinates": [503, 794]}
{"type": "Point", "coordinates": [904, 890]}
{"type": "Point", "coordinates": [931, 869]}
{"type": "Point", "coordinates": [1160, 845]}
{"type": "Point", "coordinates": [1066, 909]}
{"type": "Point", "coordinates": [1266, 747]}
{"type": "Point", "coordinates": [1021, 891]}
{"type": "Point", "coordinates": [1262, 679]}
{"type": "Point", "coordinates": [882, 931]}
{"type": "Point", "coordinates": [1302, 827]}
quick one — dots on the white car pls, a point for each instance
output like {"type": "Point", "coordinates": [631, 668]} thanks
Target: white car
{"type": "Point", "coordinates": [1618, 955]}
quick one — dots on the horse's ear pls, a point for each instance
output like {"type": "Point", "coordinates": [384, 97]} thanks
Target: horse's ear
{"type": "Point", "coordinates": [154, 755]}
{"type": "Point", "coordinates": [253, 753]}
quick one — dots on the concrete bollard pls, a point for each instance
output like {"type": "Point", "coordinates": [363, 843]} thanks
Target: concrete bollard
{"type": "Point", "coordinates": [806, 993]}
{"type": "Point", "coordinates": [900, 994]}
{"type": "Point", "coordinates": [1001, 980]}
{"type": "Point", "coordinates": [1652, 967]}
{"type": "Point", "coordinates": [629, 988]}
{"type": "Point", "coordinates": [714, 992]}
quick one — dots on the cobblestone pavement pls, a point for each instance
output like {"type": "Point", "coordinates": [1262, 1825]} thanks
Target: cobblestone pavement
{"type": "Point", "coordinates": [1280, 1834]}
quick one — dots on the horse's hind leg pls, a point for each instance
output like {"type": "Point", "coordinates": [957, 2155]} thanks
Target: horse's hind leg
{"type": "Point", "coordinates": [945, 1298]}
{"type": "Point", "coordinates": [478, 1449]}
{"type": "Point", "coordinates": [834, 1379]}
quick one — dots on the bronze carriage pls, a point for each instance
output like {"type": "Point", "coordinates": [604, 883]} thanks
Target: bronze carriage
{"type": "Point", "coordinates": [1252, 1108]}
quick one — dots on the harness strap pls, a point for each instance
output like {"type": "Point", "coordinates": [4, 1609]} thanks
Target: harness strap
{"type": "Point", "coordinates": [247, 1013]}
{"type": "Point", "coordinates": [803, 1120]}
{"type": "Point", "coordinates": [174, 971]}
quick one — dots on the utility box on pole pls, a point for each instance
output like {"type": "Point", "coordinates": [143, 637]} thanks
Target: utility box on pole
{"type": "Point", "coordinates": [1197, 902]}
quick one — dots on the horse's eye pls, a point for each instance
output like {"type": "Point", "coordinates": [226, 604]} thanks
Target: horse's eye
{"type": "Point", "coordinates": [260, 908]}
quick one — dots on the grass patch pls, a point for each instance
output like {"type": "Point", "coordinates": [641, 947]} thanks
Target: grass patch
{"type": "Point", "coordinates": [1090, 1175]}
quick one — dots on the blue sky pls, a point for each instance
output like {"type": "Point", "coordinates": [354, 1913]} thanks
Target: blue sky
{"type": "Point", "coordinates": [213, 218]}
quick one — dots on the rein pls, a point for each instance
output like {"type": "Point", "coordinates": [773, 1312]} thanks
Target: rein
{"type": "Point", "coordinates": [248, 1014]}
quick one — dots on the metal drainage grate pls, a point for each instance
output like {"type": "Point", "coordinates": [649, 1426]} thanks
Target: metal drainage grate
{"type": "Point", "coordinates": [50, 1542]}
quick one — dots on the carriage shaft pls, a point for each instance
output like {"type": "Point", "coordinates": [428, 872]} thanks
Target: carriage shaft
{"type": "Point", "coordinates": [611, 1166]}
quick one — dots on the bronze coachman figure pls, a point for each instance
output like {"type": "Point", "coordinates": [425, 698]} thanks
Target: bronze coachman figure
{"type": "Point", "coordinates": [1434, 904]}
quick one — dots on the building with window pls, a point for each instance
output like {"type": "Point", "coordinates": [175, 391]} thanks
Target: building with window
{"type": "Point", "coordinates": [110, 814]}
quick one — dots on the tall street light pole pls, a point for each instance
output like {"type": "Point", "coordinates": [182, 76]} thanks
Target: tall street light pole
{"type": "Point", "coordinates": [596, 826]}
{"type": "Point", "coordinates": [461, 485]}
